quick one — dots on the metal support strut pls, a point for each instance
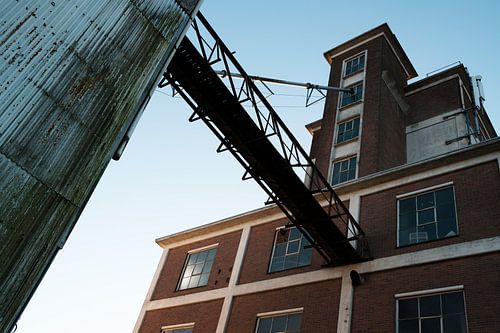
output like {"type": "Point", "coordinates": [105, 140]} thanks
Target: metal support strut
{"type": "Point", "coordinates": [263, 145]}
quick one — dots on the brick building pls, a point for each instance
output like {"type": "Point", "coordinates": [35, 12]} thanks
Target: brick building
{"type": "Point", "coordinates": [418, 166]}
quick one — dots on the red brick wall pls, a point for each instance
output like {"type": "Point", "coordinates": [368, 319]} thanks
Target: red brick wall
{"type": "Point", "coordinates": [320, 302]}
{"type": "Point", "coordinates": [477, 190]}
{"type": "Point", "coordinates": [392, 133]}
{"type": "Point", "coordinates": [221, 269]}
{"type": "Point", "coordinates": [433, 101]}
{"type": "Point", "coordinates": [259, 251]}
{"type": "Point", "coordinates": [375, 306]}
{"type": "Point", "coordinates": [204, 315]}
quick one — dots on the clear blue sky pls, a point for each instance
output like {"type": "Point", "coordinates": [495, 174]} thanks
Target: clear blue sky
{"type": "Point", "coordinates": [170, 177]}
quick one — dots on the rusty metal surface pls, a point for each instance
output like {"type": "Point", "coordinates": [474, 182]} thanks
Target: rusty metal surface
{"type": "Point", "coordinates": [73, 75]}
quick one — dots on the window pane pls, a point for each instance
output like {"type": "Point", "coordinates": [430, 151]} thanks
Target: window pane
{"type": "Point", "coordinates": [407, 206]}
{"type": "Point", "coordinates": [336, 173]}
{"type": "Point", "coordinates": [408, 308]}
{"type": "Point", "coordinates": [291, 260]}
{"type": "Point", "coordinates": [425, 201]}
{"type": "Point", "coordinates": [447, 228]}
{"type": "Point", "coordinates": [211, 254]}
{"type": "Point", "coordinates": [189, 270]}
{"type": "Point", "coordinates": [293, 324]}
{"type": "Point", "coordinates": [184, 283]}
{"type": "Point", "coordinates": [454, 324]}
{"type": "Point", "coordinates": [344, 176]}
{"type": "Point", "coordinates": [427, 232]}
{"type": "Point", "coordinates": [430, 306]}
{"type": "Point", "coordinates": [279, 250]}
{"type": "Point", "coordinates": [431, 325]}
{"type": "Point", "coordinates": [202, 256]}
{"type": "Point", "coordinates": [279, 324]}
{"type": "Point", "coordinates": [192, 258]}
{"type": "Point", "coordinates": [198, 268]}
{"type": "Point", "coordinates": [445, 196]}
{"type": "Point", "coordinates": [408, 326]}
{"type": "Point", "coordinates": [408, 222]}
{"type": "Point", "coordinates": [264, 325]}
{"type": "Point", "coordinates": [305, 257]}
{"type": "Point", "coordinates": [294, 234]}
{"type": "Point", "coordinates": [355, 131]}
{"type": "Point", "coordinates": [194, 281]}
{"type": "Point", "coordinates": [277, 264]}
{"type": "Point", "coordinates": [453, 303]}
{"type": "Point", "coordinates": [208, 267]}
{"type": "Point", "coordinates": [426, 216]}
{"type": "Point", "coordinates": [293, 246]}
{"type": "Point", "coordinates": [203, 280]}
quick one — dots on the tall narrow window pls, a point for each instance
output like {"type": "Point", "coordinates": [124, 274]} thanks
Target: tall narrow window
{"type": "Point", "coordinates": [344, 170]}
{"type": "Point", "coordinates": [197, 269]}
{"type": "Point", "coordinates": [347, 130]}
{"type": "Point", "coordinates": [284, 323]}
{"type": "Point", "coordinates": [441, 313]}
{"type": "Point", "coordinates": [354, 65]}
{"type": "Point", "coordinates": [291, 249]}
{"type": "Point", "coordinates": [355, 96]}
{"type": "Point", "coordinates": [427, 216]}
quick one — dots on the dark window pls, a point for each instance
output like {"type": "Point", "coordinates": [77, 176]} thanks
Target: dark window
{"type": "Point", "coordinates": [347, 130]}
{"type": "Point", "coordinates": [344, 170]}
{"type": "Point", "coordinates": [291, 249]}
{"type": "Point", "coordinates": [443, 313]}
{"type": "Point", "coordinates": [288, 323]}
{"type": "Point", "coordinates": [354, 65]}
{"type": "Point", "coordinates": [197, 269]}
{"type": "Point", "coordinates": [427, 217]}
{"type": "Point", "coordinates": [356, 95]}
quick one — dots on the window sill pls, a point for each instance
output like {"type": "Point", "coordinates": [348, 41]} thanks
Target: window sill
{"type": "Point", "coordinates": [288, 269]}
{"type": "Point", "coordinates": [346, 142]}
{"type": "Point", "coordinates": [426, 242]}
{"type": "Point", "coordinates": [342, 108]}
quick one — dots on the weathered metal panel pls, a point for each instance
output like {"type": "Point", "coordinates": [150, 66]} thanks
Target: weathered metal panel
{"type": "Point", "coordinates": [73, 75]}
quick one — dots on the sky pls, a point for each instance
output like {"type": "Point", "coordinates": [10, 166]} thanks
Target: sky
{"type": "Point", "coordinates": [170, 177]}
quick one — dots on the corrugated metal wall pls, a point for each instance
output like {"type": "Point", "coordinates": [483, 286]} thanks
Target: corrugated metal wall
{"type": "Point", "coordinates": [73, 75]}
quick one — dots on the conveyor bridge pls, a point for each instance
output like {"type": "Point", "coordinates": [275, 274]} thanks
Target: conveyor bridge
{"type": "Point", "coordinates": [248, 127]}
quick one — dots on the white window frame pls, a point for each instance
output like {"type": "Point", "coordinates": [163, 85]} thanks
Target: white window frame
{"type": "Point", "coordinates": [344, 69]}
{"type": "Point", "coordinates": [340, 160]}
{"type": "Point", "coordinates": [278, 313]}
{"type": "Point", "coordinates": [356, 84]}
{"type": "Point", "coordinates": [430, 292]}
{"type": "Point", "coordinates": [189, 253]}
{"type": "Point", "coordinates": [345, 122]}
{"type": "Point", "coordinates": [417, 193]}
{"type": "Point", "coordinates": [274, 246]}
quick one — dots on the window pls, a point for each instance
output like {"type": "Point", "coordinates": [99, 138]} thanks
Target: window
{"type": "Point", "coordinates": [291, 249]}
{"type": "Point", "coordinates": [444, 313]}
{"type": "Point", "coordinates": [347, 130]}
{"type": "Point", "coordinates": [427, 216]}
{"type": "Point", "coordinates": [285, 323]}
{"type": "Point", "coordinates": [355, 65]}
{"type": "Point", "coordinates": [349, 98]}
{"type": "Point", "coordinates": [344, 170]}
{"type": "Point", "coordinates": [197, 269]}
